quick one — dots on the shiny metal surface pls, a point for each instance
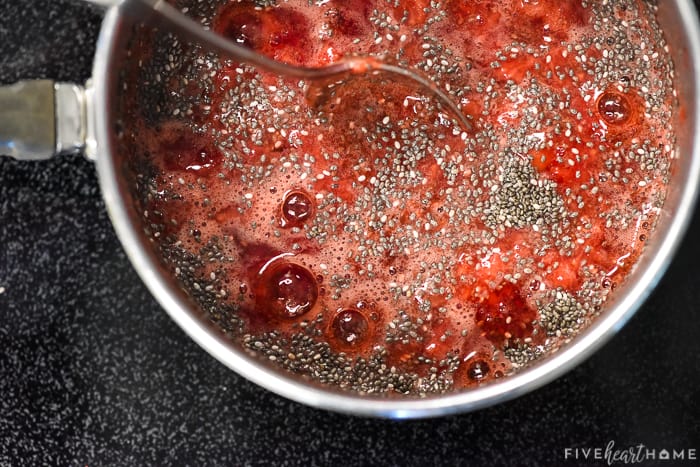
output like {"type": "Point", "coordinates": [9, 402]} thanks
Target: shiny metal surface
{"type": "Point", "coordinates": [91, 148]}
{"type": "Point", "coordinates": [678, 18]}
{"type": "Point", "coordinates": [71, 118]}
{"type": "Point", "coordinates": [41, 119]}
{"type": "Point", "coordinates": [27, 129]}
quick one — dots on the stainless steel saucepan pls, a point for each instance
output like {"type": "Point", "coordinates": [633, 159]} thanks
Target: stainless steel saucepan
{"type": "Point", "coordinates": [41, 119]}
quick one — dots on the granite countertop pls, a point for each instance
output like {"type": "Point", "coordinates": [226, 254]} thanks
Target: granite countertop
{"type": "Point", "coordinates": [94, 372]}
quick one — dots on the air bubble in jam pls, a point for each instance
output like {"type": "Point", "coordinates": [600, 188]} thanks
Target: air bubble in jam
{"type": "Point", "coordinates": [350, 327]}
{"type": "Point", "coordinates": [288, 290]}
{"type": "Point", "coordinates": [614, 107]}
{"type": "Point", "coordinates": [297, 208]}
{"type": "Point", "coordinates": [478, 370]}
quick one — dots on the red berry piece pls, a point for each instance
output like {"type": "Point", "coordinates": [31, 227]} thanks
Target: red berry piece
{"type": "Point", "coordinates": [505, 315]}
{"type": "Point", "coordinates": [187, 153]}
{"type": "Point", "coordinates": [297, 208]}
{"type": "Point", "coordinates": [289, 290]}
{"type": "Point", "coordinates": [552, 18]}
{"type": "Point", "coordinates": [348, 19]}
{"type": "Point", "coordinates": [414, 12]}
{"type": "Point", "coordinates": [350, 327]}
{"type": "Point", "coordinates": [278, 32]}
{"type": "Point", "coordinates": [240, 23]}
{"type": "Point", "coordinates": [287, 28]}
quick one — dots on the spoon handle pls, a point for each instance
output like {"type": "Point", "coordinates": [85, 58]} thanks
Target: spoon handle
{"type": "Point", "coordinates": [346, 66]}
{"type": "Point", "coordinates": [186, 27]}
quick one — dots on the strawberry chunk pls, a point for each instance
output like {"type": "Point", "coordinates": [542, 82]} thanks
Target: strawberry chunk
{"type": "Point", "coordinates": [547, 18]}
{"type": "Point", "coordinates": [415, 12]}
{"type": "Point", "coordinates": [278, 32]}
{"type": "Point", "coordinates": [186, 152]}
{"type": "Point", "coordinates": [505, 315]}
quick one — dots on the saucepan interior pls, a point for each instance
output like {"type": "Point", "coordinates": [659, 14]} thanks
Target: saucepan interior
{"type": "Point", "coordinates": [118, 180]}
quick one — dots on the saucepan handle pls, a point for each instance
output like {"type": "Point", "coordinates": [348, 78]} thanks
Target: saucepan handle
{"type": "Point", "coordinates": [41, 118]}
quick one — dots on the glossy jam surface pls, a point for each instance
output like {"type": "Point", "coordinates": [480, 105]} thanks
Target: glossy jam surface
{"type": "Point", "coordinates": [365, 240]}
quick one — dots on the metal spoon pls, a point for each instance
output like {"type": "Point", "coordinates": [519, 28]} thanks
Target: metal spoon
{"type": "Point", "coordinates": [344, 68]}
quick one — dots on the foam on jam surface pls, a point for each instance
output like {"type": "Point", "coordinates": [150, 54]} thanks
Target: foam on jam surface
{"type": "Point", "coordinates": [364, 239]}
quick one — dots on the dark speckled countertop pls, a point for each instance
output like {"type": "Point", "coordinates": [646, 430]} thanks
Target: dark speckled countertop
{"type": "Point", "coordinates": [93, 371]}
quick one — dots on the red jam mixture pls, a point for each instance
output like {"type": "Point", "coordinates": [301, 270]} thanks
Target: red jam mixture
{"type": "Point", "coordinates": [365, 239]}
